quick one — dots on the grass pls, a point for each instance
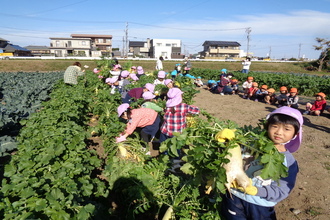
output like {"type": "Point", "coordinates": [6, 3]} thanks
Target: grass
{"type": "Point", "coordinates": [149, 65]}
{"type": "Point", "coordinates": [313, 211]}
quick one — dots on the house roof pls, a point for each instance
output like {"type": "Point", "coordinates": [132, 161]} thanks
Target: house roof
{"type": "Point", "coordinates": [68, 38]}
{"type": "Point", "coordinates": [34, 47]}
{"type": "Point", "coordinates": [1, 39]}
{"type": "Point", "coordinates": [91, 36]}
{"type": "Point", "coordinates": [136, 43]}
{"type": "Point", "coordinates": [221, 43]}
{"type": "Point", "coordinates": [13, 48]}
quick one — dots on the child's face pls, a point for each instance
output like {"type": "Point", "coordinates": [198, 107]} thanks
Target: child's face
{"type": "Point", "coordinates": [169, 85]}
{"type": "Point", "coordinates": [280, 133]}
{"type": "Point", "coordinates": [283, 91]}
{"type": "Point", "coordinates": [250, 80]}
{"type": "Point", "coordinates": [319, 98]}
{"type": "Point", "coordinates": [293, 93]}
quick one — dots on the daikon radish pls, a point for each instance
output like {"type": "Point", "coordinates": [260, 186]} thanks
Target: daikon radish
{"type": "Point", "coordinates": [234, 168]}
{"type": "Point", "coordinates": [168, 214]}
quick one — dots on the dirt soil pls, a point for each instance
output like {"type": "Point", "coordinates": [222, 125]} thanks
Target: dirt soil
{"type": "Point", "coordinates": [310, 198]}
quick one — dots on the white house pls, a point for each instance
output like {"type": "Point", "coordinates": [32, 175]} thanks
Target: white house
{"type": "Point", "coordinates": [167, 48]}
{"type": "Point", "coordinates": [63, 47]}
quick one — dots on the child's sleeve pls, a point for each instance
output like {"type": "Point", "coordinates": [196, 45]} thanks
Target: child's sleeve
{"type": "Point", "coordinates": [277, 191]}
{"type": "Point", "coordinates": [193, 109]}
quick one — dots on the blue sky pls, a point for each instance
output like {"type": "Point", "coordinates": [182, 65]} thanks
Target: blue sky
{"type": "Point", "coordinates": [284, 29]}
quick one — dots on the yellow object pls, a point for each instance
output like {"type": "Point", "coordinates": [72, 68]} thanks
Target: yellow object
{"type": "Point", "coordinates": [250, 189]}
{"type": "Point", "coordinates": [209, 186]}
{"type": "Point", "coordinates": [122, 151]}
{"type": "Point", "coordinates": [191, 121]}
{"type": "Point", "coordinates": [225, 134]}
{"type": "Point", "coordinates": [168, 214]}
{"type": "Point", "coordinates": [177, 84]}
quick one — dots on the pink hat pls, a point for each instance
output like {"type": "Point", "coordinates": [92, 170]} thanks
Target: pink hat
{"type": "Point", "coordinates": [175, 97]}
{"type": "Point", "coordinates": [167, 81]}
{"type": "Point", "coordinates": [96, 70]}
{"type": "Point", "coordinates": [122, 108]}
{"type": "Point", "coordinates": [124, 73]}
{"type": "Point", "coordinates": [110, 80]}
{"type": "Point", "coordinates": [161, 74]}
{"type": "Point", "coordinates": [134, 77]}
{"type": "Point", "coordinates": [148, 95]}
{"type": "Point", "coordinates": [133, 67]}
{"type": "Point", "coordinates": [116, 66]}
{"type": "Point", "coordinates": [294, 143]}
{"type": "Point", "coordinates": [150, 87]}
{"type": "Point", "coordinates": [140, 70]}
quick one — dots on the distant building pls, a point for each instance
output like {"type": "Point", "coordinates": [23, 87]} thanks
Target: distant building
{"type": "Point", "coordinates": [167, 48]}
{"type": "Point", "coordinates": [16, 50]}
{"type": "Point", "coordinates": [221, 50]}
{"type": "Point", "coordinates": [63, 47]}
{"type": "Point", "coordinates": [101, 44]}
{"type": "Point", "coordinates": [86, 45]}
{"type": "Point", "coordinates": [38, 51]}
{"type": "Point", "coordinates": [139, 48]}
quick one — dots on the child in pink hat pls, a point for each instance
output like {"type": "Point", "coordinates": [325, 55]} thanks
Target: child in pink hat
{"type": "Point", "coordinates": [150, 102]}
{"type": "Point", "coordinates": [175, 114]}
{"type": "Point", "coordinates": [257, 200]}
{"type": "Point", "coordinates": [145, 118]}
{"type": "Point", "coordinates": [139, 71]}
{"type": "Point", "coordinates": [161, 78]}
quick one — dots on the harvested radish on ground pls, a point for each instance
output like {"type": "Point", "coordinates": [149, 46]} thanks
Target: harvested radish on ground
{"type": "Point", "coordinates": [234, 168]}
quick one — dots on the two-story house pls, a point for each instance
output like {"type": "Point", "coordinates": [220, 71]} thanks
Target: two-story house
{"type": "Point", "coordinates": [63, 47]}
{"type": "Point", "coordinates": [220, 50]}
{"type": "Point", "coordinates": [101, 44]}
{"type": "Point", "coordinates": [139, 48]}
{"type": "Point", "coordinates": [167, 48]}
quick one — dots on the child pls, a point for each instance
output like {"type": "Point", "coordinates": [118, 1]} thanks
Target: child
{"type": "Point", "coordinates": [161, 78]}
{"type": "Point", "coordinates": [293, 98]}
{"type": "Point", "coordinates": [133, 77]}
{"type": "Point", "coordinates": [252, 92]}
{"type": "Point", "coordinates": [175, 114]}
{"type": "Point", "coordinates": [246, 86]}
{"type": "Point", "coordinates": [140, 71]}
{"type": "Point", "coordinates": [136, 93]}
{"type": "Point", "coordinates": [123, 82]}
{"type": "Point", "coordinates": [113, 82]}
{"type": "Point", "coordinates": [174, 73]}
{"type": "Point", "coordinates": [133, 69]}
{"type": "Point", "coordinates": [178, 68]}
{"type": "Point", "coordinates": [198, 82]}
{"type": "Point", "coordinates": [149, 102]}
{"type": "Point", "coordinates": [318, 106]}
{"type": "Point", "coordinates": [284, 128]}
{"type": "Point", "coordinates": [144, 118]}
{"type": "Point", "coordinates": [282, 98]}
{"type": "Point", "coordinates": [169, 83]}
{"type": "Point", "coordinates": [116, 70]}
{"type": "Point", "coordinates": [225, 81]}
{"type": "Point", "coordinates": [187, 65]}
{"type": "Point", "coordinates": [223, 73]}
{"type": "Point", "coordinates": [261, 93]}
{"type": "Point", "coordinates": [211, 84]}
{"type": "Point", "coordinates": [270, 98]}
{"type": "Point", "coordinates": [234, 86]}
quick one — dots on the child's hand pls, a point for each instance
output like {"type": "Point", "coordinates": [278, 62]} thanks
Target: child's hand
{"type": "Point", "coordinates": [250, 189]}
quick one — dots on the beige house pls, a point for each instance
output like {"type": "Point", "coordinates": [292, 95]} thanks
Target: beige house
{"type": "Point", "coordinates": [101, 44]}
{"type": "Point", "coordinates": [221, 50]}
{"type": "Point", "coordinates": [63, 47]}
{"type": "Point", "coordinates": [84, 45]}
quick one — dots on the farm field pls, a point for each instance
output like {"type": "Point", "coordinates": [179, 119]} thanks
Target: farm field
{"type": "Point", "coordinates": [69, 186]}
{"type": "Point", "coordinates": [311, 193]}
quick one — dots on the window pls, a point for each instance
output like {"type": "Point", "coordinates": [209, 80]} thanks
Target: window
{"type": "Point", "coordinates": [83, 43]}
{"type": "Point", "coordinates": [174, 45]}
{"type": "Point", "coordinates": [57, 43]}
{"type": "Point", "coordinates": [159, 44]}
{"type": "Point", "coordinates": [168, 45]}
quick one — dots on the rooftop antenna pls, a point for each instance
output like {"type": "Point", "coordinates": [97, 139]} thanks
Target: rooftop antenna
{"type": "Point", "coordinates": [248, 31]}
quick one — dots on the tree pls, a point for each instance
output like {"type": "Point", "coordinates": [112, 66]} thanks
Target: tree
{"type": "Point", "coordinates": [324, 47]}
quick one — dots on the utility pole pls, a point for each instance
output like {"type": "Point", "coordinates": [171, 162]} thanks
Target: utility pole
{"type": "Point", "coordinates": [123, 50]}
{"type": "Point", "coordinates": [299, 51]}
{"type": "Point", "coordinates": [270, 52]}
{"type": "Point", "coordinates": [248, 31]}
{"type": "Point", "coordinates": [126, 40]}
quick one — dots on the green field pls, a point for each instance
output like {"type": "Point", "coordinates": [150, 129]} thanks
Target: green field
{"type": "Point", "coordinates": [149, 65]}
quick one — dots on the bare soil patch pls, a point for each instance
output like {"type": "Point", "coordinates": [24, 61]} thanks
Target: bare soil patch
{"type": "Point", "coordinates": [310, 198]}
